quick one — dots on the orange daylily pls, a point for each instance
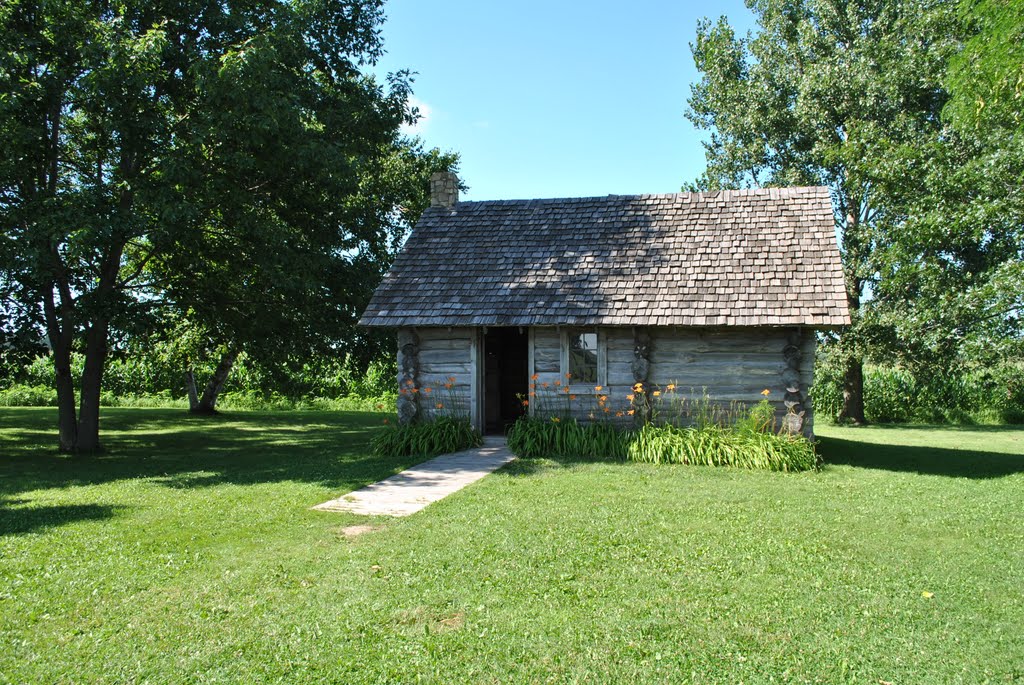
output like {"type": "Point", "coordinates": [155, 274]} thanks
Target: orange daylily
{"type": "Point", "coordinates": [656, 393]}
{"type": "Point", "coordinates": [534, 377]}
{"type": "Point", "coordinates": [526, 403]}
{"type": "Point", "coordinates": [439, 405]}
{"type": "Point", "coordinates": [670, 387]}
{"type": "Point", "coordinates": [631, 412]}
{"type": "Point", "coordinates": [630, 397]}
{"type": "Point", "coordinates": [766, 392]}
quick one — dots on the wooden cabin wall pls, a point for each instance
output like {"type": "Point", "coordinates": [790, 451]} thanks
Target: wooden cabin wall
{"type": "Point", "coordinates": [729, 365]}
{"type": "Point", "coordinates": [443, 354]}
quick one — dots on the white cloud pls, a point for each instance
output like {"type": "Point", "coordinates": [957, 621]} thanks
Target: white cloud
{"type": "Point", "coordinates": [425, 113]}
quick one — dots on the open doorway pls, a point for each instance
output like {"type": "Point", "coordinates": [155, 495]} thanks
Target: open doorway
{"type": "Point", "coordinates": [506, 381]}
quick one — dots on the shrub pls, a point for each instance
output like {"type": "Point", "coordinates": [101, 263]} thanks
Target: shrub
{"type": "Point", "coordinates": [895, 395]}
{"type": "Point", "coordinates": [28, 396]}
{"type": "Point", "coordinates": [426, 438]}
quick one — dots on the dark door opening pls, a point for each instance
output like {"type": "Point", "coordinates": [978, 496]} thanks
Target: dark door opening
{"type": "Point", "coordinates": [506, 382]}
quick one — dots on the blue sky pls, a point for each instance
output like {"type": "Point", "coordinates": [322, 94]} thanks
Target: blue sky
{"type": "Point", "coordinates": [556, 98]}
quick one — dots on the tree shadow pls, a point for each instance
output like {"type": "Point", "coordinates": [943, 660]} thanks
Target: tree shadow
{"type": "Point", "coordinates": [182, 451]}
{"type": "Point", "coordinates": [932, 461]}
{"type": "Point", "coordinates": [22, 520]}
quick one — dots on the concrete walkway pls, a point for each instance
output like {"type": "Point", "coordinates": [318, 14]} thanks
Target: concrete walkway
{"type": "Point", "coordinates": [411, 490]}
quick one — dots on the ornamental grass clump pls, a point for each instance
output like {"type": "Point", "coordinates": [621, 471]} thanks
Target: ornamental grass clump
{"type": "Point", "coordinates": [426, 438]}
{"type": "Point", "coordinates": [532, 438]}
{"type": "Point", "coordinates": [672, 430]}
{"type": "Point", "coordinates": [716, 446]}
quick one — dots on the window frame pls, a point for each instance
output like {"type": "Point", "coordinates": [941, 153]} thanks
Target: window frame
{"type": "Point", "coordinates": [602, 355]}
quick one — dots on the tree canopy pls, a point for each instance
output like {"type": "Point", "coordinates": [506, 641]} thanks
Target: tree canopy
{"type": "Point", "coordinates": [224, 159]}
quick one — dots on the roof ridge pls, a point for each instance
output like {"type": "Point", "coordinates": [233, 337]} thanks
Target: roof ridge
{"type": "Point", "coordinates": [771, 191]}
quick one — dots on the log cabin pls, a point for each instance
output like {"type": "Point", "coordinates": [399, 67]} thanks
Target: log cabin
{"type": "Point", "coordinates": [513, 306]}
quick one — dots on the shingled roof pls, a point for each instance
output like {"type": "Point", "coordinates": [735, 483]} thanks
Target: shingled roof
{"type": "Point", "coordinates": [727, 258]}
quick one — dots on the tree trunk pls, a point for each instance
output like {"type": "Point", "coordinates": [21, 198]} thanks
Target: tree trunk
{"type": "Point", "coordinates": [853, 372]}
{"type": "Point", "coordinates": [60, 342]}
{"type": "Point", "coordinates": [190, 389]}
{"type": "Point", "coordinates": [67, 420]}
{"type": "Point", "coordinates": [853, 391]}
{"type": "Point", "coordinates": [208, 402]}
{"type": "Point", "coordinates": [92, 380]}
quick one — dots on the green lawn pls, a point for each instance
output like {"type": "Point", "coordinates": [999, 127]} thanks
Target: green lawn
{"type": "Point", "coordinates": [188, 553]}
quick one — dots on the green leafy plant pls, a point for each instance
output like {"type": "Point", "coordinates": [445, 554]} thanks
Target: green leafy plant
{"type": "Point", "coordinates": [680, 431]}
{"type": "Point", "coordinates": [426, 438]}
{"type": "Point", "coordinates": [715, 446]}
{"type": "Point", "coordinates": [534, 437]}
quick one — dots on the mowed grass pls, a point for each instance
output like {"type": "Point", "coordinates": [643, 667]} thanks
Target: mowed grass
{"type": "Point", "coordinates": [188, 554]}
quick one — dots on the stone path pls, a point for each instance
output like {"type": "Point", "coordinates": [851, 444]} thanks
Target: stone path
{"type": "Point", "coordinates": [411, 490]}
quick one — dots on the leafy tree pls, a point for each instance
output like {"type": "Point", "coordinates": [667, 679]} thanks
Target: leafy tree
{"type": "Point", "coordinates": [951, 288]}
{"type": "Point", "coordinates": [986, 79]}
{"type": "Point", "coordinates": [192, 152]}
{"type": "Point", "coordinates": [823, 94]}
{"type": "Point", "coordinates": [282, 301]}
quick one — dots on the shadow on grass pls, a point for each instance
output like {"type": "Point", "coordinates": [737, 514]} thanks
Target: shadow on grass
{"type": "Point", "coordinates": [932, 461]}
{"type": "Point", "coordinates": [177, 450]}
{"type": "Point", "coordinates": [21, 520]}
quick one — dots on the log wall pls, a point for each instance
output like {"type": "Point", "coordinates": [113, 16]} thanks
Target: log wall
{"type": "Point", "coordinates": [444, 357]}
{"type": "Point", "coordinates": [728, 365]}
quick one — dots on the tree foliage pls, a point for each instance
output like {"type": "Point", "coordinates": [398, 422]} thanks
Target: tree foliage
{"type": "Point", "coordinates": [216, 158]}
{"type": "Point", "coordinates": [986, 78]}
{"type": "Point", "coordinates": [850, 94]}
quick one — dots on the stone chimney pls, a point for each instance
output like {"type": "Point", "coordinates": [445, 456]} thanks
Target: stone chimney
{"type": "Point", "coordinates": [444, 189]}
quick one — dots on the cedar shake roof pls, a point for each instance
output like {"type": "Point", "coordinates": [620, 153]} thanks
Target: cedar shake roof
{"type": "Point", "coordinates": [727, 258]}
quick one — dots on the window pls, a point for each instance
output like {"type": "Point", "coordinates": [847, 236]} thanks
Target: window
{"type": "Point", "coordinates": [582, 362]}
